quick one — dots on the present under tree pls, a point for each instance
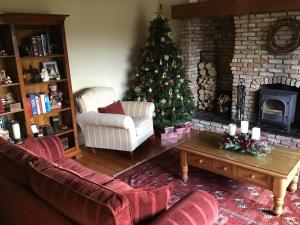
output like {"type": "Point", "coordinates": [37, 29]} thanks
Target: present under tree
{"type": "Point", "coordinates": [160, 77]}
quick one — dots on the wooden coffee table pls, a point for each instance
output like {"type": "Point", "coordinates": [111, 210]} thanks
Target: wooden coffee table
{"type": "Point", "coordinates": [277, 171]}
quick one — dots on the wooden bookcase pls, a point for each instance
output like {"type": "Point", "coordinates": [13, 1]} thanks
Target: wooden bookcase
{"type": "Point", "coordinates": [14, 27]}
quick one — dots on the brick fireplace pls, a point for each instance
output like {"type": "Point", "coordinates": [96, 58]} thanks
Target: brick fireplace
{"type": "Point", "coordinates": [239, 44]}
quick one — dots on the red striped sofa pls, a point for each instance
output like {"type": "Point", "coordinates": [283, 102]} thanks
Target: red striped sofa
{"type": "Point", "coordinates": [40, 186]}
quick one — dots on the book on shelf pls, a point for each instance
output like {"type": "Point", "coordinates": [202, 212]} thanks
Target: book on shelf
{"type": "Point", "coordinates": [38, 104]}
{"type": "Point", "coordinates": [34, 46]}
{"type": "Point", "coordinates": [43, 105]}
{"type": "Point", "coordinates": [40, 45]}
{"type": "Point", "coordinates": [33, 104]}
{"type": "Point", "coordinates": [29, 105]}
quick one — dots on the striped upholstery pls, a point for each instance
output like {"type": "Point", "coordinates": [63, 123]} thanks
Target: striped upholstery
{"type": "Point", "coordinates": [49, 147]}
{"type": "Point", "coordinates": [96, 97]}
{"type": "Point", "coordinates": [138, 109]}
{"type": "Point", "coordinates": [113, 131]}
{"type": "Point", "coordinates": [14, 161]}
{"type": "Point", "coordinates": [93, 176]}
{"type": "Point", "coordinates": [147, 203]}
{"type": "Point", "coordinates": [77, 198]}
{"type": "Point", "coordinates": [197, 208]}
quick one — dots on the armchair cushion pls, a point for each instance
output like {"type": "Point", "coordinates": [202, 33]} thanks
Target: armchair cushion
{"type": "Point", "coordinates": [114, 108]}
{"type": "Point", "coordinates": [105, 119]}
{"type": "Point", "coordinates": [142, 124]}
{"type": "Point", "coordinates": [198, 207]}
{"type": "Point", "coordinates": [145, 203]}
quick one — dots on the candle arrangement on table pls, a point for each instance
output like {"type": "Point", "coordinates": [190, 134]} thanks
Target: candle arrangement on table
{"type": "Point", "coordinates": [244, 142]}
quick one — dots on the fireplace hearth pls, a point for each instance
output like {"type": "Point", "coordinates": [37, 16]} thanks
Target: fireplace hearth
{"type": "Point", "coordinates": [277, 107]}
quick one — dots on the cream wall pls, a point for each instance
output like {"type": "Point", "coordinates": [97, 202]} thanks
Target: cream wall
{"type": "Point", "coordinates": [103, 36]}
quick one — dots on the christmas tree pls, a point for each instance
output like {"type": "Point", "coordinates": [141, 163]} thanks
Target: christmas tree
{"type": "Point", "coordinates": [161, 78]}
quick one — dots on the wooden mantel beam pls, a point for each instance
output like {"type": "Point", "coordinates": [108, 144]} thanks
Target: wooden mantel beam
{"type": "Point", "coordinates": [232, 8]}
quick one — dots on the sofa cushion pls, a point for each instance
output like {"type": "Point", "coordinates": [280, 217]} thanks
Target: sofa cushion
{"type": "Point", "coordinates": [118, 186]}
{"type": "Point", "coordinates": [198, 207]}
{"type": "Point", "coordinates": [142, 124]}
{"type": "Point", "coordinates": [114, 108]}
{"type": "Point", "coordinates": [146, 203]}
{"type": "Point", "coordinates": [77, 198]}
{"type": "Point", "coordinates": [14, 161]}
{"type": "Point", "coordinates": [86, 173]}
{"type": "Point", "coordinates": [49, 147]}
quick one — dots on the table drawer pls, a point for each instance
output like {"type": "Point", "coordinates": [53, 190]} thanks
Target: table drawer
{"type": "Point", "coordinates": [223, 168]}
{"type": "Point", "coordinates": [255, 177]}
{"type": "Point", "coordinates": [199, 161]}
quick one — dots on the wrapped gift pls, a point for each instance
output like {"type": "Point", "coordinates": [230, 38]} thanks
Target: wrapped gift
{"type": "Point", "coordinates": [187, 124]}
{"type": "Point", "coordinates": [183, 130]}
{"type": "Point", "coordinates": [169, 129]}
{"type": "Point", "coordinates": [166, 136]}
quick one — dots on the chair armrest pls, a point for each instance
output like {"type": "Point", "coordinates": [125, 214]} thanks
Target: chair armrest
{"type": "Point", "coordinates": [198, 207]}
{"type": "Point", "coordinates": [138, 109]}
{"type": "Point", "coordinates": [105, 119]}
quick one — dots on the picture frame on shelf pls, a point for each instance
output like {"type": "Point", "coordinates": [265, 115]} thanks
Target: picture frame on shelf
{"type": "Point", "coordinates": [52, 69]}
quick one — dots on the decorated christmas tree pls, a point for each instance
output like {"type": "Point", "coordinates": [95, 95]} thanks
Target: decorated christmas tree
{"type": "Point", "coordinates": [160, 77]}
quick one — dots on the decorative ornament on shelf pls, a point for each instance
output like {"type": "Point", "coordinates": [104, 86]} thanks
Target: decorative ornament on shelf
{"type": "Point", "coordinates": [243, 142]}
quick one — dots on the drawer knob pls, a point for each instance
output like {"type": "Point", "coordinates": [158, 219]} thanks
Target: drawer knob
{"type": "Point", "coordinates": [225, 168]}
{"type": "Point", "coordinates": [252, 176]}
{"type": "Point", "coordinates": [200, 161]}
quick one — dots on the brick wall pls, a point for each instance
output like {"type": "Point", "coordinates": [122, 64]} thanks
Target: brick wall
{"type": "Point", "coordinates": [252, 61]}
{"type": "Point", "coordinates": [208, 34]}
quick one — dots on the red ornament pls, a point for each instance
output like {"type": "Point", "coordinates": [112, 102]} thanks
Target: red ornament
{"type": "Point", "coordinates": [158, 110]}
{"type": "Point", "coordinates": [161, 86]}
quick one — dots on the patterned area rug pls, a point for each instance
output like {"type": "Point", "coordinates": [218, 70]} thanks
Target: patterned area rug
{"type": "Point", "coordinates": [239, 203]}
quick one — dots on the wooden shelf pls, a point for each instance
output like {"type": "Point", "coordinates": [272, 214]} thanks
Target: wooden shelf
{"type": "Point", "coordinates": [17, 30]}
{"type": "Point", "coordinates": [9, 113]}
{"type": "Point", "coordinates": [53, 111]}
{"type": "Point", "coordinates": [25, 58]}
{"type": "Point", "coordinates": [9, 85]}
{"type": "Point", "coordinates": [232, 8]}
{"type": "Point", "coordinates": [7, 56]}
{"type": "Point", "coordinates": [47, 82]}
{"type": "Point", "coordinates": [63, 132]}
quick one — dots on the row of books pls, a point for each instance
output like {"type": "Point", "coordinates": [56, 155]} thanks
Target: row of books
{"type": "Point", "coordinates": [38, 104]}
{"type": "Point", "coordinates": [40, 45]}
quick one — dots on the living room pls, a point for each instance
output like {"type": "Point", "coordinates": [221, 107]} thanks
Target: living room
{"type": "Point", "coordinates": [149, 112]}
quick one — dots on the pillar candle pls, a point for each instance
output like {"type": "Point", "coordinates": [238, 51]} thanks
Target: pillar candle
{"type": "Point", "coordinates": [255, 133]}
{"type": "Point", "coordinates": [232, 129]}
{"type": "Point", "coordinates": [244, 127]}
{"type": "Point", "coordinates": [16, 130]}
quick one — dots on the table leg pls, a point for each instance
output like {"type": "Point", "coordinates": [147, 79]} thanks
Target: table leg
{"type": "Point", "coordinates": [279, 190]}
{"type": "Point", "coordinates": [293, 185]}
{"type": "Point", "coordinates": [184, 166]}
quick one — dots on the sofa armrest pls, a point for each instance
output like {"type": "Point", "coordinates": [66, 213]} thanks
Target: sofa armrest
{"type": "Point", "coordinates": [198, 207]}
{"type": "Point", "coordinates": [105, 119]}
{"type": "Point", "coordinates": [138, 109]}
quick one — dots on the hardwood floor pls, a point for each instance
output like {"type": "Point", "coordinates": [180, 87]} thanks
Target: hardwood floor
{"type": "Point", "coordinates": [111, 162]}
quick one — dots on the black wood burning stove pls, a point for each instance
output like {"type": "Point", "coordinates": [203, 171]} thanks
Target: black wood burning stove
{"type": "Point", "coordinates": [277, 107]}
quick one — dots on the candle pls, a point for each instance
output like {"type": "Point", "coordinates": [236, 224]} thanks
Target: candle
{"type": "Point", "coordinates": [255, 133]}
{"type": "Point", "coordinates": [244, 127]}
{"type": "Point", "coordinates": [16, 130]}
{"type": "Point", "coordinates": [232, 129]}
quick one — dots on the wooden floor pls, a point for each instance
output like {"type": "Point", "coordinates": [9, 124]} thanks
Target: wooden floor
{"type": "Point", "coordinates": [111, 162]}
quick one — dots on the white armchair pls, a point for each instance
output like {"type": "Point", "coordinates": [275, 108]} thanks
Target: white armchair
{"type": "Point", "coordinates": [113, 131]}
